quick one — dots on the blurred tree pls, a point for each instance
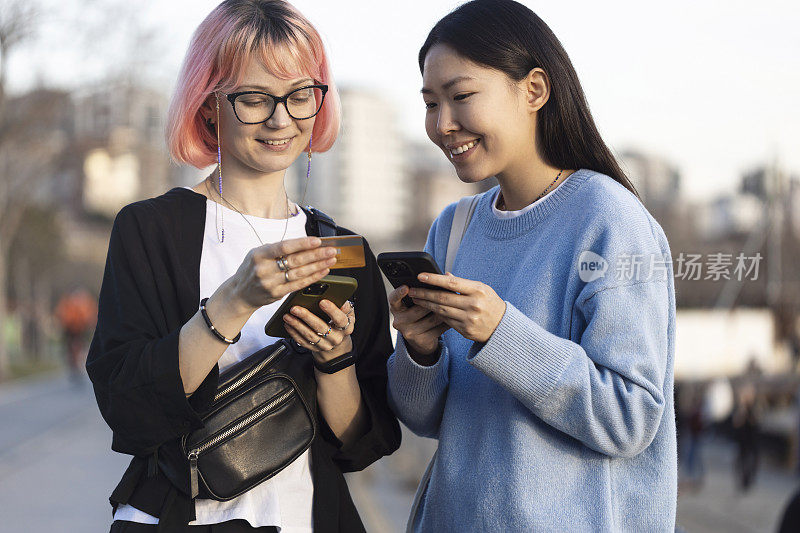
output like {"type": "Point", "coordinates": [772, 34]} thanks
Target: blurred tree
{"type": "Point", "coordinates": [18, 169]}
{"type": "Point", "coordinates": [38, 252]}
{"type": "Point", "coordinates": [17, 20]}
{"type": "Point", "coordinates": [30, 145]}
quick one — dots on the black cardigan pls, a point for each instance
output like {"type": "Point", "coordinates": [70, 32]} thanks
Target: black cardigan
{"type": "Point", "coordinates": [151, 288]}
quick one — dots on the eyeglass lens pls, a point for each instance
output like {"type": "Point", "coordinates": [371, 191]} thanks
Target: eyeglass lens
{"type": "Point", "coordinates": [302, 103]}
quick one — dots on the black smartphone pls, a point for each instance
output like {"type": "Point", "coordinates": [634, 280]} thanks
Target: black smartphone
{"type": "Point", "coordinates": [402, 268]}
{"type": "Point", "coordinates": [337, 289]}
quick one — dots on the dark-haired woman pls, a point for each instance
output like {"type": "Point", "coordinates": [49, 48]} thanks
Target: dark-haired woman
{"type": "Point", "coordinates": [545, 368]}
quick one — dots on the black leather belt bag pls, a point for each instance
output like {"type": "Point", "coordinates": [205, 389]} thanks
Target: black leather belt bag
{"type": "Point", "coordinates": [262, 418]}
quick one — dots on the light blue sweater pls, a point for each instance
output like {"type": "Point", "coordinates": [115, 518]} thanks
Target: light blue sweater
{"type": "Point", "coordinates": [563, 420]}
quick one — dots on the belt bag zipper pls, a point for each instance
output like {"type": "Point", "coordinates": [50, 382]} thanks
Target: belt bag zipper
{"type": "Point", "coordinates": [193, 455]}
{"type": "Point", "coordinates": [250, 373]}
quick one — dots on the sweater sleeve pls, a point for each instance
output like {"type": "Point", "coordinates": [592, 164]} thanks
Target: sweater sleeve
{"type": "Point", "coordinates": [133, 357]}
{"type": "Point", "coordinates": [607, 390]}
{"type": "Point", "coordinates": [417, 393]}
{"type": "Point", "coordinates": [372, 345]}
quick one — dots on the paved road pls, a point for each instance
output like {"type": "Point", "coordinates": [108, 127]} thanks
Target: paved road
{"type": "Point", "coordinates": [56, 464]}
{"type": "Point", "coordinates": [57, 469]}
{"type": "Point", "coordinates": [718, 505]}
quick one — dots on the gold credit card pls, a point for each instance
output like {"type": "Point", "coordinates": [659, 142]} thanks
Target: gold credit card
{"type": "Point", "coordinates": [349, 250]}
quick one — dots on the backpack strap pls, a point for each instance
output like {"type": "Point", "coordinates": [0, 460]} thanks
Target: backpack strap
{"type": "Point", "coordinates": [324, 225]}
{"type": "Point", "coordinates": [461, 218]}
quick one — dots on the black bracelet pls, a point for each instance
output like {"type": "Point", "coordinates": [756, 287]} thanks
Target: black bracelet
{"type": "Point", "coordinates": [335, 364]}
{"type": "Point", "coordinates": [214, 330]}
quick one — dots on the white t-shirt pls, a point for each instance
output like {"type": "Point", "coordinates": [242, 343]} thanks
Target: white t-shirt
{"type": "Point", "coordinates": [513, 214]}
{"type": "Point", "coordinates": [285, 499]}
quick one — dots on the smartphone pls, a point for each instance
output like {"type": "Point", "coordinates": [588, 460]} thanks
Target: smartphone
{"type": "Point", "coordinates": [402, 268]}
{"type": "Point", "coordinates": [337, 289]}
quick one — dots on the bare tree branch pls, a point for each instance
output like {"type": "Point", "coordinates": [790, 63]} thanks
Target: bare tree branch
{"type": "Point", "coordinates": [17, 21]}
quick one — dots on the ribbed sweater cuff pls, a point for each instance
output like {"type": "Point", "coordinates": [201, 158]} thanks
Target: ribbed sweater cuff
{"type": "Point", "coordinates": [414, 382]}
{"type": "Point", "coordinates": [522, 356]}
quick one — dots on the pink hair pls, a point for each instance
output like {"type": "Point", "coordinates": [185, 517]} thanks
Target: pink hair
{"type": "Point", "coordinates": [272, 31]}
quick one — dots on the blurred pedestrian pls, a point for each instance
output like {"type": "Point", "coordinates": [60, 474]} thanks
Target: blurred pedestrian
{"type": "Point", "coordinates": [681, 419]}
{"type": "Point", "coordinates": [194, 275]}
{"type": "Point", "coordinates": [746, 432]}
{"type": "Point", "coordinates": [697, 420]}
{"type": "Point", "coordinates": [76, 313]}
{"type": "Point", "coordinates": [547, 381]}
{"type": "Point", "coordinates": [797, 428]}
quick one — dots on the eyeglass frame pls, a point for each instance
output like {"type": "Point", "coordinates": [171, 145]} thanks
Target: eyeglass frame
{"type": "Point", "coordinates": [277, 99]}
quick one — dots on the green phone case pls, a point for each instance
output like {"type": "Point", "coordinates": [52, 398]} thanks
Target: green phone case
{"type": "Point", "coordinates": [337, 289]}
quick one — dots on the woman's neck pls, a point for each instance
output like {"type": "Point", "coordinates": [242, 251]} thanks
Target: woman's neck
{"type": "Point", "coordinates": [262, 196]}
{"type": "Point", "coordinates": [522, 186]}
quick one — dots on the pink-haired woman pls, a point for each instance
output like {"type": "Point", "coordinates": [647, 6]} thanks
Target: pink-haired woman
{"type": "Point", "coordinates": [255, 92]}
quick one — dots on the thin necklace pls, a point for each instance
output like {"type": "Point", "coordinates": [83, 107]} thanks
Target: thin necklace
{"type": "Point", "coordinates": [285, 227]}
{"type": "Point", "coordinates": [501, 204]}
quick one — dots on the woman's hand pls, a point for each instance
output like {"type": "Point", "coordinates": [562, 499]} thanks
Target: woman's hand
{"type": "Point", "coordinates": [420, 328]}
{"type": "Point", "coordinates": [326, 340]}
{"type": "Point", "coordinates": [260, 280]}
{"type": "Point", "coordinates": [474, 312]}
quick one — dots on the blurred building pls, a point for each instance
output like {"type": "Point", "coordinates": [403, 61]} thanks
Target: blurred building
{"type": "Point", "coordinates": [119, 138]}
{"type": "Point", "coordinates": [36, 130]}
{"type": "Point", "coordinates": [713, 343]}
{"type": "Point", "coordinates": [729, 216]}
{"type": "Point", "coordinates": [794, 199]}
{"type": "Point", "coordinates": [362, 181]}
{"type": "Point", "coordinates": [657, 180]}
{"type": "Point", "coordinates": [756, 184]}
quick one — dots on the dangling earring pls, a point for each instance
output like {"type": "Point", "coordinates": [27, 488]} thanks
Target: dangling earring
{"type": "Point", "coordinates": [219, 214]}
{"type": "Point", "coordinates": [308, 169]}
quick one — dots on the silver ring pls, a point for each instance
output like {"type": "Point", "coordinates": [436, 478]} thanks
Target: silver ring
{"type": "Point", "coordinates": [283, 266]}
{"type": "Point", "coordinates": [346, 325]}
{"type": "Point", "coordinates": [313, 343]}
{"type": "Point", "coordinates": [286, 276]}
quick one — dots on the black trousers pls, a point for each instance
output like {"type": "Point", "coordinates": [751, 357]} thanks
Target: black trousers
{"type": "Point", "coordinates": [232, 526]}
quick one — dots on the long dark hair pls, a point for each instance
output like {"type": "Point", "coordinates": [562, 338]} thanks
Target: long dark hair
{"type": "Point", "coordinates": [507, 36]}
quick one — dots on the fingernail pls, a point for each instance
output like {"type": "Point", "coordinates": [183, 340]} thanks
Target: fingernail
{"type": "Point", "coordinates": [423, 277]}
{"type": "Point", "coordinates": [316, 241]}
{"type": "Point", "coordinates": [295, 309]}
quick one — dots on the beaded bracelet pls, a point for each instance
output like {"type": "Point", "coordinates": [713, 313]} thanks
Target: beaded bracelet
{"type": "Point", "coordinates": [214, 330]}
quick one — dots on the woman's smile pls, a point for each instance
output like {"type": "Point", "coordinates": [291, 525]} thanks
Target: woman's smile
{"type": "Point", "coordinates": [461, 150]}
{"type": "Point", "coordinates": [276, 145]}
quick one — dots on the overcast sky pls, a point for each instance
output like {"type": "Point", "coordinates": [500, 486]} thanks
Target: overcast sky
{"type": "Point", "coordinates": [711, 86]}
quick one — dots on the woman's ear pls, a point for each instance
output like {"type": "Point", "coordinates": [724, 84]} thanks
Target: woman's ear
{"type": "Point", "coordinates": [208, 111]}
{"type": "Point", "coordinates": [537, 89]}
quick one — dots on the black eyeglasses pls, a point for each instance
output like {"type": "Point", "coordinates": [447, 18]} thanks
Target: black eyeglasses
{"type": "Point", "coordinates": [255, 107]}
